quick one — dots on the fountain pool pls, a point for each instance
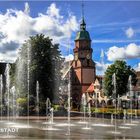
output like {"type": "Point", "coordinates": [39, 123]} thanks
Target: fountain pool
{"type": "Point", "coordinates": [41, 130]}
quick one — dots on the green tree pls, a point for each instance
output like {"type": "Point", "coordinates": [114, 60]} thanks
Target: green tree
{"type": "Point", "coordinates": [45, 65]}
{"type": "Point", "coordinates": [122, 71]}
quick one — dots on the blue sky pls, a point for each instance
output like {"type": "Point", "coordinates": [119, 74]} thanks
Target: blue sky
{"type": "Point", "coordinates": [114, 26]}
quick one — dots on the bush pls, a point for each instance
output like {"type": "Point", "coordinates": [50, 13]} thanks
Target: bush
{"type": "Point", "coordinates": [22, 101]}
{"type": "Point", "coordinates": [56, 107]}
{"type": "Point", "coordinates": [22, 106]}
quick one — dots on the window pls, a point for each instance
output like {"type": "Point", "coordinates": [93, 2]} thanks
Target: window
{"type": "Point", "coordinates": [88, 62]}
{"type": "Point", "coordinates": [97, 95]}
{"type": "Point", "coordinates": [76, 63]}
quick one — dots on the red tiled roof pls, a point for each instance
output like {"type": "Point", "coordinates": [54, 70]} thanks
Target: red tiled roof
{"type": "Point", "coordinates": [90, 88]}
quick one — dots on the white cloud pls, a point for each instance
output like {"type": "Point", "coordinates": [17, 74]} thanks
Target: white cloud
{"type": "Point", "coordinates": [53, 11]}
{"type": "Point", "coordinates": [9, 56]}
{"type": "Point", "coordinates": [132, 51]}
{"type": "Point", "coordinates": [137, 68]}
{"type": "Point", "coordinates": [69, 57]}
{"type": "Point", "coordinates": [101, 67]}
{"type": "Point", "coordinates": [114, 41]}
{"type": "Point", "coordinates": [118, 53]}
{"type": "Point", "coordinates": [16, 26]}
{"type": "Point", "coordinates": [27, 8]}
{"type": "Point", "coordinates": [129, 32]}
{"type": "Point", "coordinates": [115, 53]}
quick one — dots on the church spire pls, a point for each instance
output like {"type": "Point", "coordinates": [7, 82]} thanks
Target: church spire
{"type": "Point", "coordinates": [83, 34]}
{"type": "Point", "coordinates": [82, 6]}
{"type": "Point", "coordinates": [83, 24]}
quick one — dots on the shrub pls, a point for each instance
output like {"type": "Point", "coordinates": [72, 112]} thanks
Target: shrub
{"type": "Point", "coordinates": [22, 106]}
{"type": "Point", "coordinates": [22, 101]}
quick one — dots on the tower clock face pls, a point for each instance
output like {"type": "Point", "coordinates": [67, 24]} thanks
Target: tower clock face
{"type": "Point", "coordinates": [88, 56]}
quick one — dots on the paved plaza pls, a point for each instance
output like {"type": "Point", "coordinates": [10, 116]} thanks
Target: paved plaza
{"type": "Point", "coordinates": [77, 129]}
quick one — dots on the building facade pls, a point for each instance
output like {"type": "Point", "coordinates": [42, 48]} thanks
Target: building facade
{"type": "Point", "coordinates": [137, 87]}
{"type": "Point", "coordinates": [82, 72]}
{"type": "Point", "coordinates": [83, 67]}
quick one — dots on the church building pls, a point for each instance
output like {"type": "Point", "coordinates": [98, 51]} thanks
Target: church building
{"type": "Point", "coordinates": [83, 70]}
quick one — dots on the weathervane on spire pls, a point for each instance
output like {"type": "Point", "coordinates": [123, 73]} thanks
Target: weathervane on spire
{"type": "Point", "coordinates": [82, 9]}
{"type": "Point", "coordinates": [83, 24]}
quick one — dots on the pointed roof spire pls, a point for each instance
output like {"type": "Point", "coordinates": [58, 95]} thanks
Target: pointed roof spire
{"type": "Point", "coordinates": [82, 9]}
{"type": "Point", "coordinates": [83, 24]}
{"type": "Point", "coordinates": [82, 34]}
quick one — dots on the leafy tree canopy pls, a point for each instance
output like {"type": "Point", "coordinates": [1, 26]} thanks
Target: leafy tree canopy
{"type": "Point", "coordinates": [122, 71]}
{"type": "Point", "coordinates": [39, 60]}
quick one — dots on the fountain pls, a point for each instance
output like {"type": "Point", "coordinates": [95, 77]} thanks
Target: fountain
{"type": "Point", "coordinates": [130, 95]}
{"type": "Point", "coordinates": [84, 107]}
{"type": "Point", "coordinates": [136, 115]}
{"type": "Point", "coordinates": [112, 119]}
{"type": "Point", "coordinates": [89, 117]}
{"type": "Point", "coordinates": [102, 72]}
{"type": "Point", "coordinates": [49, 112]}
{"type": "Point", "coordinates": [124, 117]}
{"type": "Point", "coordinates": [17, 104]}
{"type": "Point", "coordinates": [49, 116]}
{"type": "Point", "coordinates": [115, 97]}
{"type": "Point", "coordinates": [74, 131]}
{"type": "Point", "coordinates": [17, 110]}
{"type": "Point", "coordinates": [68, 108]}
{"type": "Point", "coordinates": [28, 82]}
{"type": "Point", "coordinates": [37, 99]}
{"type": "Point", "coordinates": [89, 114]}
{"type": "Point", "coordinates": [1, 93]}
{"type": "Point", "coordinates": [7, 74]}
{"type": "Point", "coordinates": [118, 104]}
{"type": "Point", "coordinates": [14, 105]}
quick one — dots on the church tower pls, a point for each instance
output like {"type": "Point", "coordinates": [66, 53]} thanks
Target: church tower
{"type": "Point", "coordinates": [83, 67]}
